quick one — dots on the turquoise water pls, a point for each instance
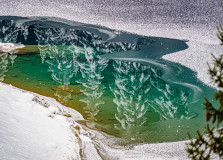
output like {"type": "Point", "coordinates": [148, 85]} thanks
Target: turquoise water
{"type": "Point", "coordinates": [116, 80]}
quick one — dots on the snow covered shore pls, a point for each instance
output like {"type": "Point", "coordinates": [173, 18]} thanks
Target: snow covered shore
{"type": "Point", "coordinates": [37, 127]}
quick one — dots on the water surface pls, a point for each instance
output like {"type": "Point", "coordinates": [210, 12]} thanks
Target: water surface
{"type": "Point", "coordinates": [116, 80]}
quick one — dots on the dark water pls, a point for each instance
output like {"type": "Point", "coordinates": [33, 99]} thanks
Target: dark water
{"type": "Point", "coordinates": [116, 80]}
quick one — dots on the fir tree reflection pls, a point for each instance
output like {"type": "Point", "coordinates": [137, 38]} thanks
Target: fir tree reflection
{"type": "Point", "coordinates": [139, 88]}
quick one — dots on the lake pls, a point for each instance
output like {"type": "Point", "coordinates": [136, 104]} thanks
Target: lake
{"type": "Point", "coordinates": [116, 80]}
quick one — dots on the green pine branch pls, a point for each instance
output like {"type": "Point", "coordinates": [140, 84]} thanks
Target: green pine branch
{"type": "Point", "coordinates": [211, 140]}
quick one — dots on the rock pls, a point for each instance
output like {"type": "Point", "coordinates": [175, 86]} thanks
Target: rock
{"type": "Point", "coordinates": [77, 127]}
{"type": "Point", "coordinates": [68, 115]}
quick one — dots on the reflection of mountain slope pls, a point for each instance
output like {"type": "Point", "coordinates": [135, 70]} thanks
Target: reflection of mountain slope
{"type": "Point", "coordinates": [80, 38]}
{"type": "Point", "coordinates": [32, 33]}
{"type": "Point", "coordinates": [12, 32]}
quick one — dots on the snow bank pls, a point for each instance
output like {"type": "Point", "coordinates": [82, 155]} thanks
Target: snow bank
{"type": "Point", "coordinates": [37, 127]}
{"type": "Point", "coordinates": [10, 47]}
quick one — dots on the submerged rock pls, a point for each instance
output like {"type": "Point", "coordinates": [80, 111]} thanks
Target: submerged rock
{"type": "Point", "coordinates": [28, 49]}
{"type": "Point", "coordinates": [71, 89]}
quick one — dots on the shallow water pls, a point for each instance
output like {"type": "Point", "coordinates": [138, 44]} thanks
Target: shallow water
{"type": "Point", "coordinates": [116, 80]}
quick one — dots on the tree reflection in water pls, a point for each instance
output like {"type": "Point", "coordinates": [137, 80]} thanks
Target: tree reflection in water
{"type": "Point", "coordinates": [139, 88]}
{"type": "Point", "coordinates": [91, 67]}
{"type": "Point", "coordinates": [66, 59]}
{"type": "Point", "coordinates": [5, 60]}
{"type": "Point", "coordinates": [9, 32]}
{"type": "Point", "coordinates": [59, 57]}
{"type": "Point", "coordinates": [130, 89]}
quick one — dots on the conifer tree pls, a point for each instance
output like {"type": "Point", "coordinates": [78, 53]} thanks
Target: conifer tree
{"type": "Point", "coordinates": [211, 140]}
